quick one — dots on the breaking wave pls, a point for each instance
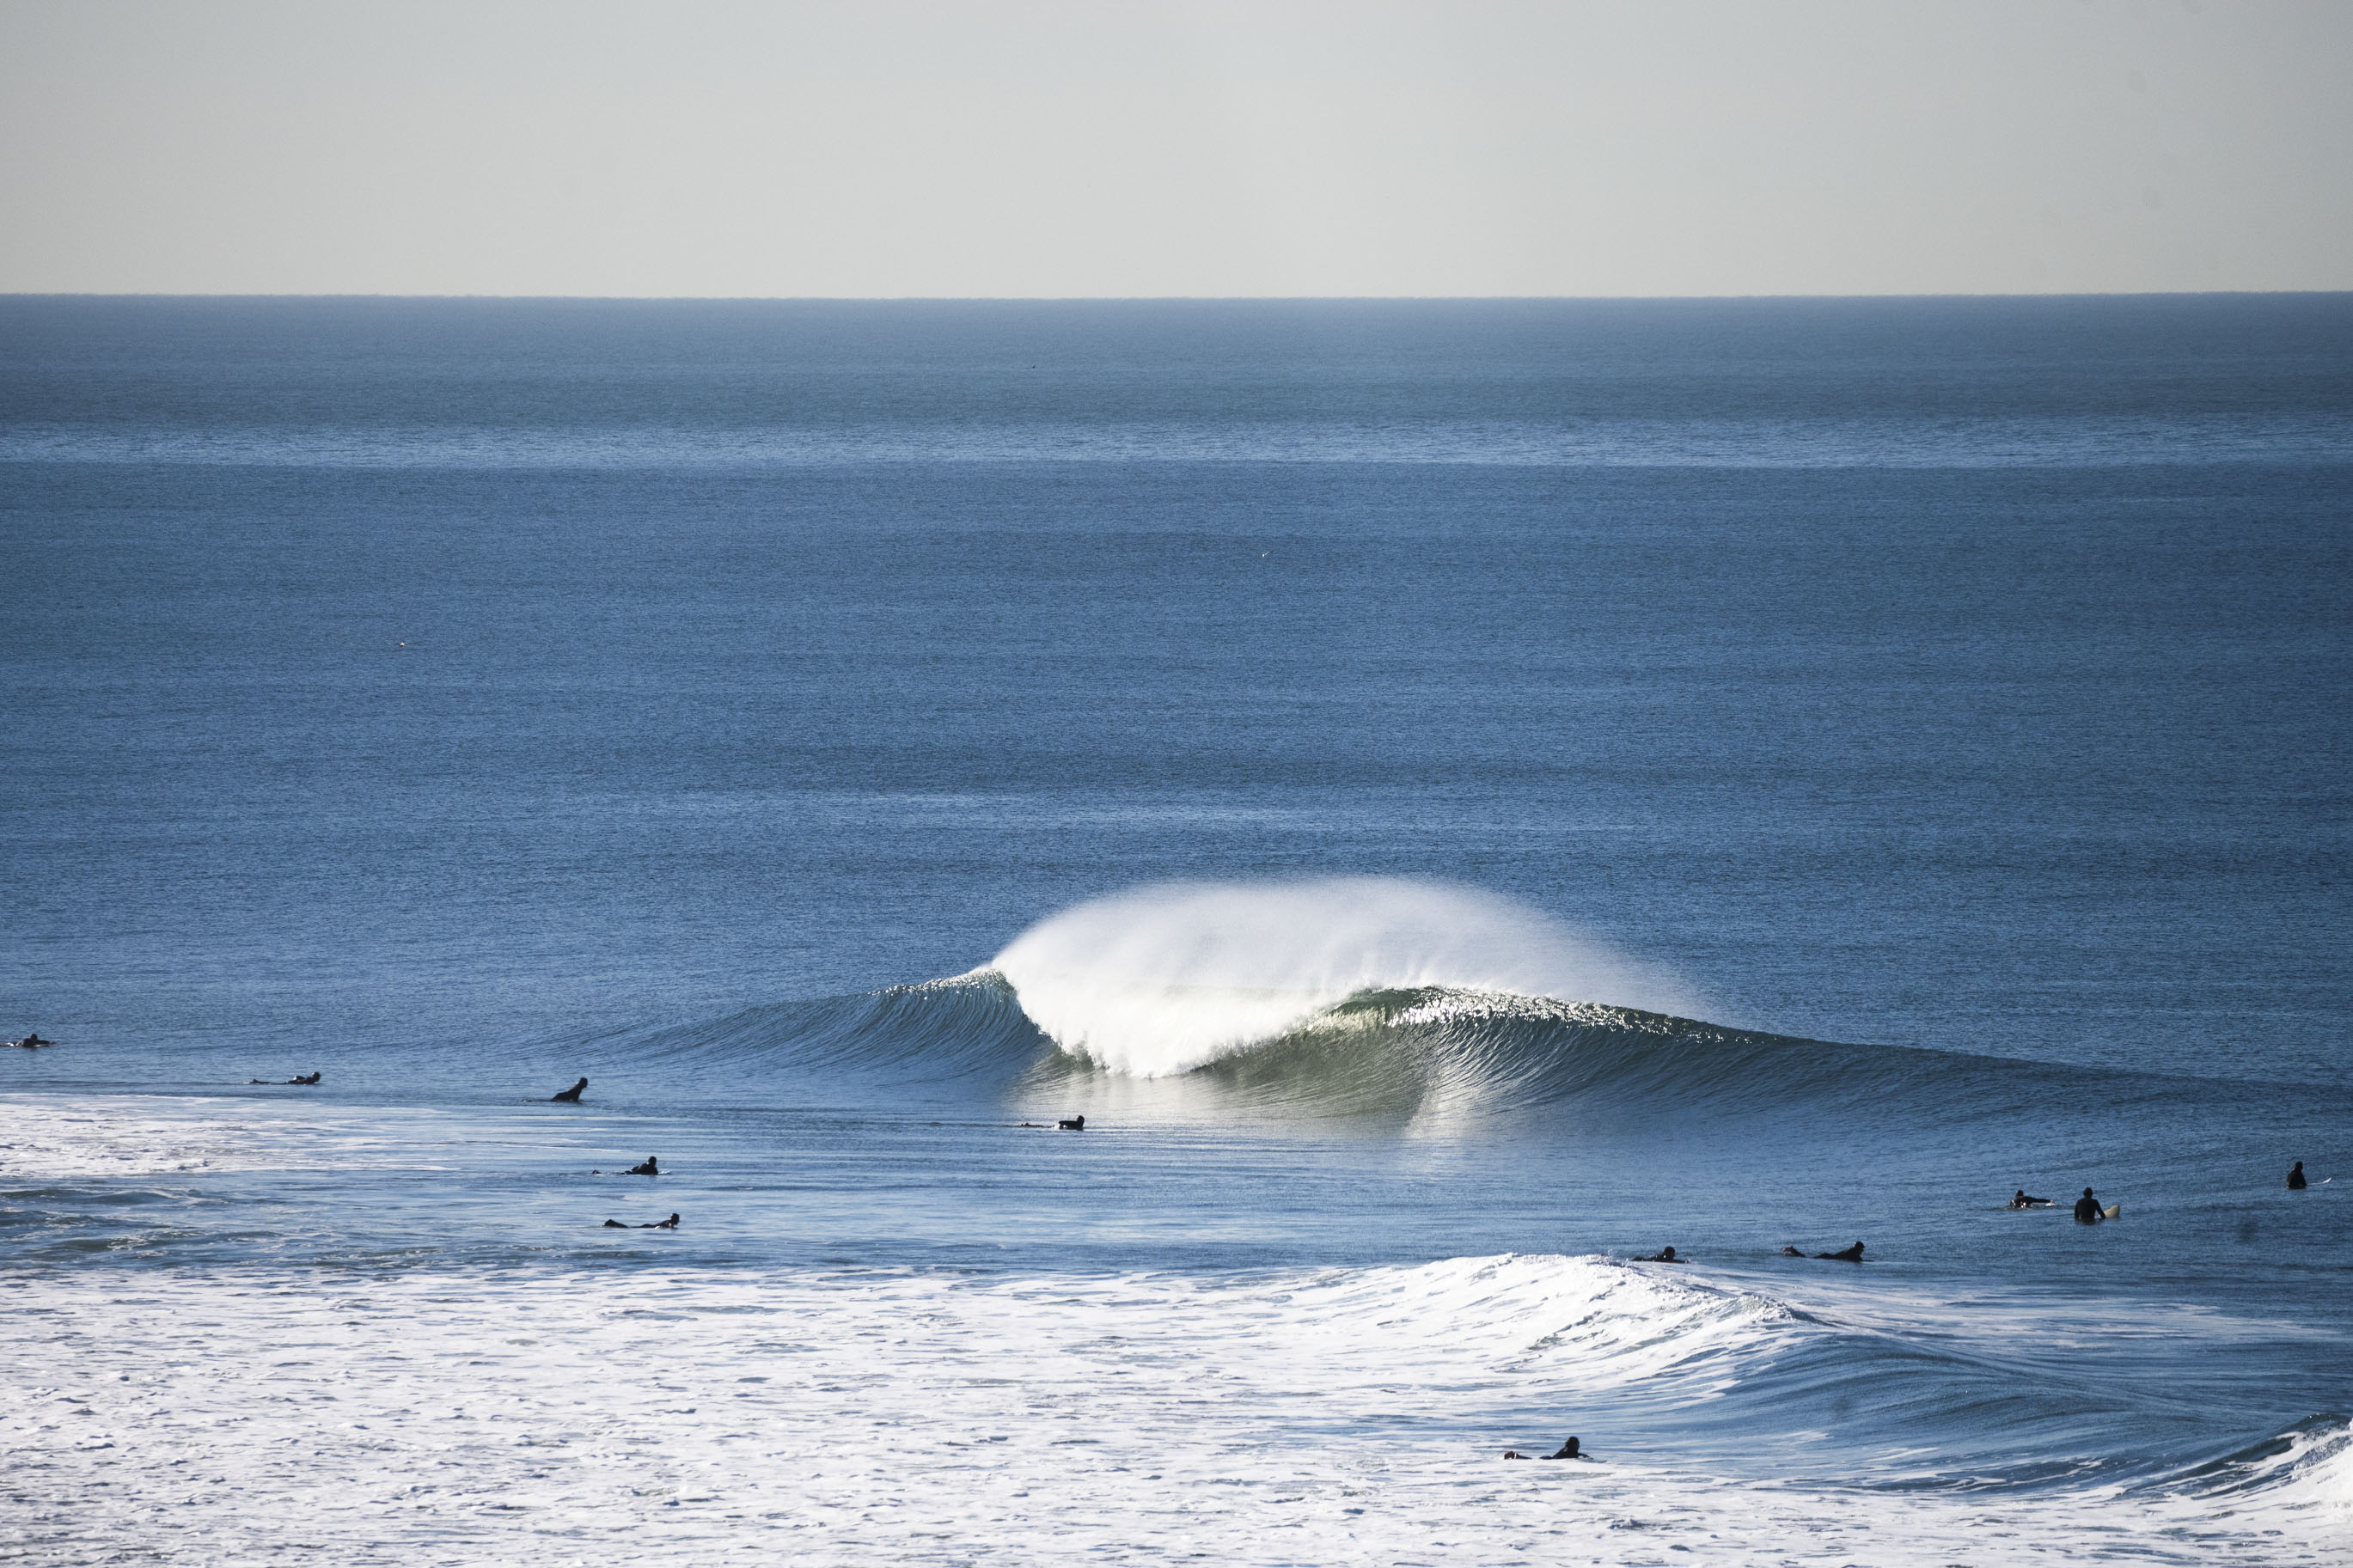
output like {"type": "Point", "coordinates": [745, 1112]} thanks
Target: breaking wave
{"type": "Point", "coordinates": [1348, 998]}
{"type": "Point", "coordinates": [1162, 980]}
{"type": "Point", "coordinates": [1429, 1055]}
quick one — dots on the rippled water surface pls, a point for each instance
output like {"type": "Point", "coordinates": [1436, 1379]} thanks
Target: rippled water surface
{"type": "Point", "coordinates": [1458, 796]}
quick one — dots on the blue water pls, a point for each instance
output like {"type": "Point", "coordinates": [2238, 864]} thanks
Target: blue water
{"type": "Point", "coordinates": [454, 696]}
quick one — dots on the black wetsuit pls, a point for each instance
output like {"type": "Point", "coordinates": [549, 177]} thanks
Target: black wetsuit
{"type": "Point", "coordinates": [572, 1095]}
{"type": "Point", "coordinates": [2295, 1177]}
{"type": "Point", "coordinates": [2088, 1210]}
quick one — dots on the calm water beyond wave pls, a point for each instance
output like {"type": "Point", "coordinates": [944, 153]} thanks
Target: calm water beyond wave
{"type": "Point", "coordinates": [1458, 796]}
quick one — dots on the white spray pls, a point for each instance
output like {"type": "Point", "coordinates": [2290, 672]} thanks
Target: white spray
{"type": "Point", "coordinates": [1161, 979]}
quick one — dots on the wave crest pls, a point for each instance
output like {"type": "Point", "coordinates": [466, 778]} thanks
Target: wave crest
{"type": "Point", "coordinates": [1164, 979]}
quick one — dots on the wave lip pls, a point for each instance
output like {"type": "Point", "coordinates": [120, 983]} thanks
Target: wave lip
{"type": "Point", "coordinates": [1166, 979]}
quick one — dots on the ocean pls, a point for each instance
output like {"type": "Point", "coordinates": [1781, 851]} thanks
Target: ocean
{"type": "Point", "coordinates": [1458, 795]}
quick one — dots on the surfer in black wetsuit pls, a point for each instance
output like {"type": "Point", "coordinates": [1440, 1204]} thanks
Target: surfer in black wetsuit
{"type": "Point", "coordinates": [571, 1096]}
{"type": "Point", "coordinates": [307, 1078]}
{"type": "Point", "coordinates": [2087, 1209]}
{"type": "Point", "coordinates": [670, 1223]}
{"type": "Point", "coordinates": [2019, 1200]}
{"type": "Point", "coordinates": [1568, 1451]}
{"type": "Point", "coordinates": [2295, 1177]}
{"type": "Point", "coordinates": [1071, 1124]}
{"type": "Point", "coordinates": [32, 1042]}
{"type": "Point", "coordinates": [1664, 1255]}
{"type": "Point", "coordinates": [1844, 1254]}
{"type": "Point", "coordinates": [649, 1169]}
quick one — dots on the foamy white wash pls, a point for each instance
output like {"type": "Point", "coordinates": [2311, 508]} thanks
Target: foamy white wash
{"type": "Point", "coordinates": [734, 1415]}
{"type": "Point", "coordinates": [61, 1136]}
{"type": "Point", "coordinates": [1159, 980]}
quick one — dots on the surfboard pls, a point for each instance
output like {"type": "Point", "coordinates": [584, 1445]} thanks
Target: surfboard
{"type": "Point", "coordinates": [2113, 1211]}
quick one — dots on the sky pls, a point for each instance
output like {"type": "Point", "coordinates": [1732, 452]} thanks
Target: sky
{"type": "Point", "coordinates": [1136, 148]}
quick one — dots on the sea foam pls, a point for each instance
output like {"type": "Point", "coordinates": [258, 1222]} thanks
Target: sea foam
{"type": "Point", "coordinates": [701, 1415]}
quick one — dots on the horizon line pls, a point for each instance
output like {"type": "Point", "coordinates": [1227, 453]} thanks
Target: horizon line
{"type": "Point", "coordinates": [15, 295]}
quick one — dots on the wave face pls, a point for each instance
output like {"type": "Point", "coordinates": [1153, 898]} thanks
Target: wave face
{"type": "Point", "coordinates": [1433, 1056]}
{"type": "Point", "coordinates": [1340, 997]}
{"type": "Point", "coordinates": [1163, 980]}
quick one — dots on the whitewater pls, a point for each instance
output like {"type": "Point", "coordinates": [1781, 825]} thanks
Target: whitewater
{"type": "Point", "coordinates": [715, 1414]}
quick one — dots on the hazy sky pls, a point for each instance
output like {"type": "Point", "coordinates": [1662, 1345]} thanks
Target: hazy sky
{"type": "Point", "coordinates": [1129, 147]}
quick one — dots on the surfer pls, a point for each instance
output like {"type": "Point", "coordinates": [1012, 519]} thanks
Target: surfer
{"type": "Point", "coordinates": [32, 1042]}
{"type": "Point", "coordinates": [2019, 1200]}
{"type": "Point", "coordinates": [2295, 1177]}
{"type": "Point", "coordinates": [1844, 1254]}
{"type": "Point", "coordinates": [306, 1079]}
{"type": "Point", "coordinates": [1664, 1255]}
{"type": "Point", "coordinates": [649, 1169]}
{"type": "Point", "coordinates": [1568, 1451]}
{"type": "Point", "coordinates": [670, 1223]}
{"type": "Point", "coordinates": [2087, 1208]}
{"type": "Point", "coordinates": [571, 1096]}
{"type": "Point", "coordinates": [1071, 1124]}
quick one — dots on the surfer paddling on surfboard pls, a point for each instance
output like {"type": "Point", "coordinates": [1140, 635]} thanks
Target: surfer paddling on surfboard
{"type": "Point", "coordinates": [2019, 1200]}
{"type": "Point", "coordinates": [1571, 1449]}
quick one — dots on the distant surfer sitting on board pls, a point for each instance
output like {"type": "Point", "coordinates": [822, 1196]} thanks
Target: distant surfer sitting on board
{"type": "Point", "coordinates": [2295, 1177]}
{"type": "Point", "coordinates": [2019, 1200]}
{"type": "Point", "coordinates": [571, 1096]}
{"type": "Point", "coordinates": [2087, 1208]}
